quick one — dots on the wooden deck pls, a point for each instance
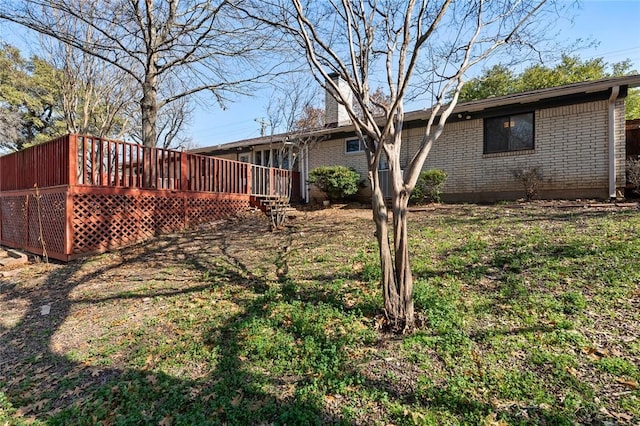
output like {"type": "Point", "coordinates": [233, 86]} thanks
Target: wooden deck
{"type": "Point", "coordinates": [79, 195]}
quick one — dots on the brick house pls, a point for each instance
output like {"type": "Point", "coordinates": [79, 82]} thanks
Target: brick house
{"type": "Point", "coordinates": [574, 134]}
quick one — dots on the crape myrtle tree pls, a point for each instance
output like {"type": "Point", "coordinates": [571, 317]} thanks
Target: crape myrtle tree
{"type": "Point", "coordinates": [172, 49]}
{"type": "Point", "coordinates": [416, 50]}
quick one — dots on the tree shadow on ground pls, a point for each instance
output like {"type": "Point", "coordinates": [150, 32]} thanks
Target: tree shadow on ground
{"type": "Point", "coordinates": [42, 379]}
{"type": "Point", "coordinates": [61, 381]}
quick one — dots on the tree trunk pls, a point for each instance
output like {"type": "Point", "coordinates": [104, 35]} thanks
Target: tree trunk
{"type": "Point", "coordinates": [403, 275]}
{"type": "Point", "coordinates": [396, 278]}
{"type": "Point", "coordinates": [149, 107]}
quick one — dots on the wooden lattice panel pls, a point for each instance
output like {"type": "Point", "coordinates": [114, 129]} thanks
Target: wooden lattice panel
{"type": "Point", "coordinates": [14, 219]}
{"type": "Point", "coordinates": [160, 214]}
{"type": "Point", "coordinates": [47, 214]}
{"type": "Point", "coordinates": [207, 209]}
{"type": "Point", "coordinates": [103, 220]}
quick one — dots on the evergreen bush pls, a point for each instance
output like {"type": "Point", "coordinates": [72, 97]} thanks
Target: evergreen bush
{"type": "Point", "coordinates": [429, 186]}
{"type": "Point", "coordinates": [339, 182]}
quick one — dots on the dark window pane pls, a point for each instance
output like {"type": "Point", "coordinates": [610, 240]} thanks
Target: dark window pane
{"type": "Point", "coordinates": [496, 134]}
{"type": "Point", "coordinates": [508, 133]}
{"type": "Point", "coordinates": [353, 145]}
{"type": "Point", "coordinates": [521, 132]}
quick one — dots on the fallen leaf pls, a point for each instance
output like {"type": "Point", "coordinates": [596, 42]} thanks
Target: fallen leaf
{"type": "Point", "coordinates": [149, 361]}
{"type": "Point", "coordinates": [595, 354]}
{"type": "Point", "coordinates": [490, 420]}
{"type": "Point", "coordinates": [166, 421]}
{"type": "Point", "coordinates": [632, 384]}
{"type": "Point", "coordinates": [209, 397]}
{"type": "Point", "coordinates": [153, 379]}
{"type": "Point", "coordinates": [616, 352]}
{"type": "Point", "coordinates": [236, 400]}
{"type": "Point", "coordinates": [572, 371]}
{"type": "Point", "coordinates": [623, 416]}
{"type": "Point", "coordinates": [23, 411]}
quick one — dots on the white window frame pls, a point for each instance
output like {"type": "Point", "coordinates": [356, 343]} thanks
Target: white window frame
{"type": "Point", "coordinates": [360, 146]}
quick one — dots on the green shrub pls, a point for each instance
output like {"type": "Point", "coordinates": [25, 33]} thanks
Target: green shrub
{"type": "Point", "coordinates": [429, 186]}
{"type": "Point", "coordinates": [339, 182]}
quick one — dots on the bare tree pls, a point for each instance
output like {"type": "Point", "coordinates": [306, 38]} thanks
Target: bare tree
{"type": "Point", "coordinates": [10, 123]}
{"type": "Point", "coordinates": [294, 117]}
{"type": "Point", "coordinates": [379, 101]}
{"type": "Point", "coordinates": [171, 124]}
{"type": "Point", "coordinates": [197, 45]}
{"type": "Point", "coordinates": [367, 42]}
{"type": "Point", "coordinates": [96, 98]}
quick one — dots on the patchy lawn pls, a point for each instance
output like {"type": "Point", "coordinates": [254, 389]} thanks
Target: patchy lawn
{"type": "Point", "coordinates": [530, 314]}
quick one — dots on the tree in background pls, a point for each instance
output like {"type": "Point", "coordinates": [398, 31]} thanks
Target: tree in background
{"type": "Point", "coordinates": [67, 91]}
{"type": "Point", "coordinates": [406, 45]}
{"type": "Point", "coordinates": [293, 118]}
{"type": "Point", "coordinates": [632, 104]}
{"type": "Point", "coordinates": [171, 49]}
{"type": "Point", "coordinates": [28, 100]}
{"type": "Point", "coordinates": [95, 98]}
{"type": "Point", "coordinates": [499, 80]}
{"type": "Point", "coordinates": [496, 81]}
{"type": "Point", "coordinates": [173, 119]}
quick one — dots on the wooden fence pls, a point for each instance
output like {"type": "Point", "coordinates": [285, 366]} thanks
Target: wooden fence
{"type": "Point", "coordinates": [78, 195]}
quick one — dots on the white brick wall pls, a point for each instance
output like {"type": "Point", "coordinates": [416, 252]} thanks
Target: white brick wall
{"type": "Point", "coordinates": [571, 149]}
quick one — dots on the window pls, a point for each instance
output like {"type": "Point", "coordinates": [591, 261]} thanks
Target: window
{"type": "Point", "coordinates": [353, 145]}
{"type": "Point", "coordinates": [508, 133]}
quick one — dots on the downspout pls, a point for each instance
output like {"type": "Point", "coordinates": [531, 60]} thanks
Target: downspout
{"type": "Point", "coordinates": [615, 90]}
{"type": "Point", "coordinates": [305, 179]}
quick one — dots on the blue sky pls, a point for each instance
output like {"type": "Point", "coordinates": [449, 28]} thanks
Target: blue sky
{"type": "Point", "coordinates": [615, 24]}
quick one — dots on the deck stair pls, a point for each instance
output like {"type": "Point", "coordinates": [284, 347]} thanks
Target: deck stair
{"type": "Point", "coordinates": [271, 204]}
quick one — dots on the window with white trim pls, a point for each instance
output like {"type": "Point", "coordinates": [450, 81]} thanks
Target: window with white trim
{"type": "Point", "coordinates": [353, 145]}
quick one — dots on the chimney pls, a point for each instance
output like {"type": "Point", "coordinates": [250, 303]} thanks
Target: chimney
{"type": "Point", "coordinates": [335, 113]}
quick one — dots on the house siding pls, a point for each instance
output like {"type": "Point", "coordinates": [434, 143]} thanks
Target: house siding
{"type": "Point", "coordinates": [228, 156]}
{"type": "Point", "coordinates": [571, 149]}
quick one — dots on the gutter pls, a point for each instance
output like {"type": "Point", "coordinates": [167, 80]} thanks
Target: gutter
{"type": "Point", "coordinates": [615, 90]}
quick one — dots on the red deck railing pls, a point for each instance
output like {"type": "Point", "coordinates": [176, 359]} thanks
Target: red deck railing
{"type": "Point", "coordinates": [77, 195]}
{"type": "Point", "coordinates": [43, 165]}
{"type": "Point", "coordinates": [86, 160]}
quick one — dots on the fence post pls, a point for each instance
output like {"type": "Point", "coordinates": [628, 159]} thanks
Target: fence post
{"type": "Point", "coordinates": [272, 181]}
{"type": "Point", "coordinates": [68, 223]}
{"type": "Point", "coordinates": [72, 156]}
{"type": "Point", "coordinates": [249, 189]}
{"type": "Point", "coordinates": [183, 171]}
